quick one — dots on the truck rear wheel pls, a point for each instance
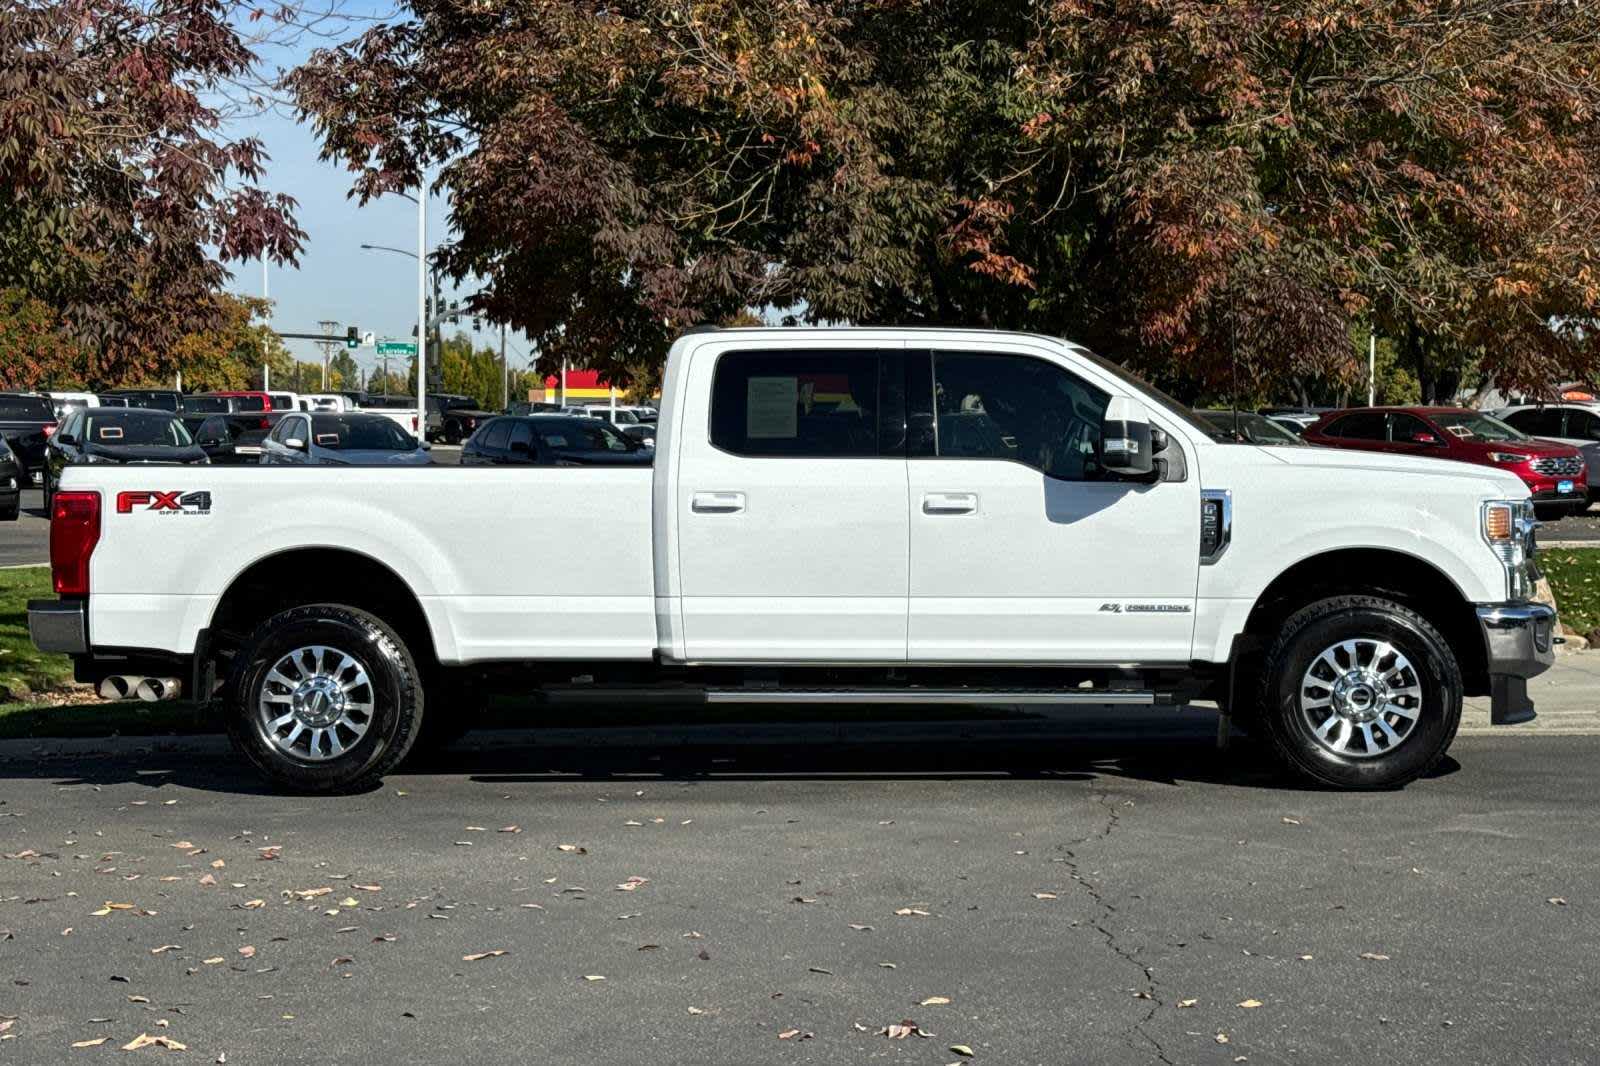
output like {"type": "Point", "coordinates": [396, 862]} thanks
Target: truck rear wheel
{"type": "Point", "coordinates": [324, 698]}
{"type": "Point", "coordinates": [1360, 692]}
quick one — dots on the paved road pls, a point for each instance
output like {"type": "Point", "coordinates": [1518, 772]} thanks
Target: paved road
{"type": "Point", "coordinates": [1092, 903]}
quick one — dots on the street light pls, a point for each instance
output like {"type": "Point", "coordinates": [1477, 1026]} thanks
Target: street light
{"type": "Point", "coordinates": [424, 276]}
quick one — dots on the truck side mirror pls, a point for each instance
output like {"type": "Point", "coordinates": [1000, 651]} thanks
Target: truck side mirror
{"type": "Point", "coordinates": [1125, 444]}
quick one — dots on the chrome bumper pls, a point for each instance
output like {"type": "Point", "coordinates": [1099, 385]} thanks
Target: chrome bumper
{"type": "Point", "coordinates": [59, 625]}
{"type": "Point", "coordinates": [1520, 641]}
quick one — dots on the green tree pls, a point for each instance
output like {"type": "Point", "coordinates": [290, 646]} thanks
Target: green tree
{"type": "Point", "coordinates": [1198, 187]}
{"type": "Point", "coordinates": [36, 352]}
{"type": "Point", "coordinates": [229, 354]}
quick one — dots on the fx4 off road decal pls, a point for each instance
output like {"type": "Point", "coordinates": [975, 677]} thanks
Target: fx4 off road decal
{"type": "Point", "coordinates": [178, 502]}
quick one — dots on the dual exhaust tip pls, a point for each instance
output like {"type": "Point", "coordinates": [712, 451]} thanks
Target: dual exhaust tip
{"type": "Point", "coordinates": [134, 686]}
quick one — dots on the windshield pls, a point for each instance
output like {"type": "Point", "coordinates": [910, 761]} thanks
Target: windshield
{"type": "Point", "coordinates": [1470, 425]}
{"type": "Point", "coordinates": [125, 426]}
{"type": "Point", "coordinates": [371, 433]}
{"type": "Point", "coordinates": [583, 435]}
{"type": "Point", "coordinates": [1249, 428]}
{"type": "Point", "coordinates": [1141, 385]}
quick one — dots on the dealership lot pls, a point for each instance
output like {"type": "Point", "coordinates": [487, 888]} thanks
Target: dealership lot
{"type": "Point", "coordinates": [1091, 901]}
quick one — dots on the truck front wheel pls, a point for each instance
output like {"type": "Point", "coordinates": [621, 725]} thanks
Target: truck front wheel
{"type": "Point", "coordinates": [324, 698]}
{"type": "Point", "coordinates": [1360, 692]}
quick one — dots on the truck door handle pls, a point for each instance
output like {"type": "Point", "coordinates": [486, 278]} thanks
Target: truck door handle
{"type": "Point", "coordinates": [717, 503]}
{"type": "Point", "coordinates": [950, 503]}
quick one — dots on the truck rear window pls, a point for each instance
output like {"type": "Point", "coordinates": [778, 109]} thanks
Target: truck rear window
{"type": "Point", "coordinates": [26, 409]}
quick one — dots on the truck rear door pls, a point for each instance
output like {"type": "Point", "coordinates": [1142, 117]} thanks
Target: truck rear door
{"type": "Point", "coordinates": [791, 503]}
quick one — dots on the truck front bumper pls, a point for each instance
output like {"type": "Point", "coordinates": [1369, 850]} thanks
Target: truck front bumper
{"type": "Point", "coordinates": [1520, 641]}
{"type": "Point", "coordinates": [59, 625]}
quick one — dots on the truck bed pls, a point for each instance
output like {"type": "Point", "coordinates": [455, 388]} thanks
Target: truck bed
{"type": "Point", "coordinates": [524, 563]}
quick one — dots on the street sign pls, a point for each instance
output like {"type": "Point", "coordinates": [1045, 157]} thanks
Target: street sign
{"type": "Point", "coordinates": [397, 348]}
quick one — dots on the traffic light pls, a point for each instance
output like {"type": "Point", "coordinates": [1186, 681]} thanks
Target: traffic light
{"type": "Point", "coordinates": [455, 306]}
{"type": "Point", "coordinates": [352, 337]}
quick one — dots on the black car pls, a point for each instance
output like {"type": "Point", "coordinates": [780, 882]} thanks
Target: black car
{"type": "Point", "coordinates": [155, 399]}
{"type": "Point", "coordinates": [227, 438]}
{"type": "Point", "coordinates": [117, 435]}
{"type": "Point", "coordinates": [10, 484]}
{"type": "Point", "coordinates": [552, 440]}
{"type": "Point", "coordinates": [453, 418]}
{"type": "Point", "coordinates": [26, 422]}
{"type": "Point", "coordinates": [532, 407]}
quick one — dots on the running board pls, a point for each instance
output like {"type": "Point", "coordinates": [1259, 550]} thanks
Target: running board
{"type": "Point", "coordinates": [926, 696]}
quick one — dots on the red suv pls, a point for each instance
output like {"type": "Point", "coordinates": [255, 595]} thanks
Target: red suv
{"type": "Point", "coordinates": [1554, 473]}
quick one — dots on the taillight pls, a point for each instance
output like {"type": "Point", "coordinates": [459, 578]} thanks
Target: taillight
{"type": "Point", "coordinates": [49, 430]}
{"type": "Point", "coordinates": [74, 531]}
{"type": "Point", "coordinates": [266, 423]}
{"type": "Point", "coordinates": [413, 423]}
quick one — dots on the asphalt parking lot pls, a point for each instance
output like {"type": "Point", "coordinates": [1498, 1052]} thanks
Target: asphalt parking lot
{"type": "Point", "coordinates": [1095, 900]}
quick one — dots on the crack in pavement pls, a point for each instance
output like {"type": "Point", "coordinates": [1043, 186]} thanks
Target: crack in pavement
{"type": "Point", "coordinates": [1150, 991]}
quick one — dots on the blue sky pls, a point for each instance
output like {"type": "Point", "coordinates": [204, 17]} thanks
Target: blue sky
{"type": "Point", "coordinates": [336, 280]}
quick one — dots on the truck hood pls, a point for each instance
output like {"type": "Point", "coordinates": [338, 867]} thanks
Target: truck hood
{"type": "Point", "coordinates": [1488, 481]}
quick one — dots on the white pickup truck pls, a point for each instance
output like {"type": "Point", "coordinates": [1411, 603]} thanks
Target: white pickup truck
{"type": "Point", "coordinates": [852, 515]}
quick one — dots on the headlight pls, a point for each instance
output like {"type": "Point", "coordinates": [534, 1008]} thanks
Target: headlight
{"type": "Point", "coordinates": [1507, 457]}
{"type": "Point", "coordinates": [1507, 527]}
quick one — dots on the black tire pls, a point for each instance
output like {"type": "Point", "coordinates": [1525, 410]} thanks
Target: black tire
{"type": "Point", "coordinates": [10, 511]}
{"type": "Point", "coordinates": [452, 433]}
{"type": "Point", "coordinates": [1303, 638]}
{"type": "Point", "coordinates": [396, 696]}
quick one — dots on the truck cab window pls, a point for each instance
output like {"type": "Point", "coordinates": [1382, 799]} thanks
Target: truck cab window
{"type": "Point", "coordinates": [1015, 407]}
{"type": "Point", "coordinates": [821, 405]}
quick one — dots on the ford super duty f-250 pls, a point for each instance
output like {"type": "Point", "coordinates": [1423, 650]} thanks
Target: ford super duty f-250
{"type": "Point", "coordinates": [855, 515]}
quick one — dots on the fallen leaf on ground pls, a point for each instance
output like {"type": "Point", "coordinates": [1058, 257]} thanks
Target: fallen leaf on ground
{"type": "Point", "coordinates": [248, 951]}
{"type": "Point", "coordinates": [1556, 901]}
{"type": "Point", "coordinates": [912, 912]}
{"type": "Point", "coordinates": [802, 899]}
{"type": "Point", "coordinates": [788, 1034]}
{"type": "Point", "coordinates": [1373, 956]}
{"type": "Point", "coordinates": [144, 1040]}
{"type": "Point", "coordinates": [1291, 821]}
{"type": "Point", "coordinates": [934, 1001]}
{"type": "Point", "coordinates": [208, 880]}
{"type": "Point", "coordinates": [1305, 958]}
{"type": "Point", "coordinates": [509, 829]}
{"type": "Point", "coordinates": [962, 1049]}
{"type": "Point", "coordinates": [368, 888]}
{"type": "Point", "coordinates": [632, 883]}
{"type": "Point", "coordinates": [309, 893]}
{"type": "Point", "coordinates": [860, 928]}
{"type": "Point", "coordinates": [1250, 1004]}
{"type": "Point", "coordinates": [1221, 1038]}
{"type": "Point", "coordinates": [900, 1030]}
{"type": "Point", "coordinates": [349, 901]}
{"type": "Point", "coordinates": [217, 864]}
{"type": "Point", "coordinates": [182, 844]}
{"type": "Point", "coordinates": [572, 848]}
{"type": "Point", "coordinates": [495, 954]}
{"type": "Point", "coordinates": [1044, 895]}
{"type": "Point", "coordinates": [594, 977]}
{"type": "Point", "coordinates": [696, 1010]}
{"type": "Point", "coordinates": [253, 904]}
{"type": "Point", "coordinates": [165, 948]}
{"type": "Point", "coordinates": [214, 960]}
{"type": "Point", "coordinates": [1187, 1002]}
{"type": "Point", "coordinates": [96, 1042]}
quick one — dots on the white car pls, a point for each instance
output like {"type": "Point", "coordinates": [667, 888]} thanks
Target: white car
{"type": "Point", "coordinates": [892, 516]}
{"type": "Point", "coordinates": [67, 402]}
{"type": "Point", "coordinates": [329, 402]}
{"type": "Point", "coordinates": [1577, 424]}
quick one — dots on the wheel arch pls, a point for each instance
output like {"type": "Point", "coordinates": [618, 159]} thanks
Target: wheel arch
{"type": "Point", "coordinates": [1387, 572]}
{"type": "Point", "coordinates": [305, 575]}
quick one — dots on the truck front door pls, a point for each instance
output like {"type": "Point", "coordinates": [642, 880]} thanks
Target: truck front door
{"type": "Point", "coordinates": [1022, 548]}
{"type": "Point", "coordinates": [790, 505]}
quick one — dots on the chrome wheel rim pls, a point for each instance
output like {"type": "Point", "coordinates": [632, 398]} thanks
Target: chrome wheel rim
{"type": "Point", "coordinates": [1361, 698]}
{"type": "Point", "coordinates": [316, 703]}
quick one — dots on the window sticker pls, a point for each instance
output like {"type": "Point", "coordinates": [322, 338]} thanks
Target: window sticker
{"type": "Point", "coordinates": [772, 408]}
{"type": "Point", "coordinates": [328, 440]}
{"type": "Point", "coordinates": [110, 432]}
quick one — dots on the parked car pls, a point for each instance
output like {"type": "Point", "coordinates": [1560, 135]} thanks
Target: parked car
{"type": "Point", "coordinates": [1554, 473]}
{"type": "Point", "coordinates": [552, 440]}
{"type": "Point", "coordinates": [530, 407]}
{"type": "Point", "coordinates": [1247, 427]}
{"type": "Point", "coordinates": [805, 539]}
{"type": "Point", "coordinates": [1295, 419]}
{"type": "Point", "coordinates": [336, 402]}
{"type": "Point", "coordinates": [342, 440]}
{"type": "Point", "coordinates": [279, 400]}
{"type": "Point", "coordinates": [245, 399]}
{"type": "Point", "coordinates": [1577, 424]}
{"type": "Point", "coordinates": [11, 481]}
{"type": "Point", "coordinates": [117, 435]}
{"type": "Point", "coordinates": [159, 399]}
{"type": "Point", "coordinates": [227, 439]}
{"type": "Point", "coordinates": [620, 416]}
{"type": "Point", "coordinates": [26, 422]}
{"type": "Point", "coordinates": [453, 418]}
{"type": "Point", "coordinates": [65, 402]}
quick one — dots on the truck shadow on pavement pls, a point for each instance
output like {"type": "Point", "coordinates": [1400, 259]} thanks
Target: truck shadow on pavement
{"type": "Point", "coordinates": [1172, 747]}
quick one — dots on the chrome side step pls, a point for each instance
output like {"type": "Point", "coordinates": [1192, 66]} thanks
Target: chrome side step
{"type": "Point", "coordinates": [928, 696]}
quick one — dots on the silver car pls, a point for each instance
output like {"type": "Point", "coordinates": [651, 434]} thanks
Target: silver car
{"type": "Point", "coordinates": [325, 439]}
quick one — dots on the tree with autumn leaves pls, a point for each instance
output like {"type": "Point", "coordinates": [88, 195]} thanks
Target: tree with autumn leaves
{"type": "Point", "coordinates": [1204, 189]}
{"type": "Point", "coordinates": [121, 197]}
